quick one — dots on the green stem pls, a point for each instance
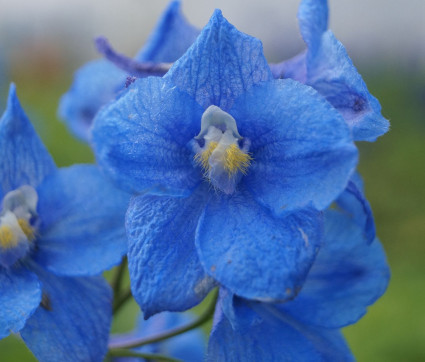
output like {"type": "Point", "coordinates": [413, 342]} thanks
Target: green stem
{"type": "Point", "coordinates": [119, 302]}
{"type": "Point", "coordinates": [147, 356]}
{"type": "Point", "coordinates": [203, 318]}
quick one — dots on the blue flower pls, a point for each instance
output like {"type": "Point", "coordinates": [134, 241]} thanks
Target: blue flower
{"type": "Point", "coordinates": [58, 229]}
{"type": "Point", "coordinates": [230, 166]}
{"type": "Point", "coordinates": [326, 67]}
{"type": "Point", "coordinates": [189, 346]}
{"type": "Point", "coordinates": [348, 275]}
{"type": "Point", "coordinates": [100, 81]}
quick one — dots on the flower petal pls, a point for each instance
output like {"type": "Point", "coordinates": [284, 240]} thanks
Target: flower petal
{"type": "Point", "coordinates": [73, 321]}
{"type": "Point", "coordinates": [331, 72]}
{"type": "Point", "coordinates": [172, 36]}
{"type": "Point", "coordinates": [353, 201]}
{"type": "Point", "coordinates": [347, 276]}
{"type": "Point", "coordinates": [141, 139]}
{"type": "Point", "coordinates": [294, 68]}
{"type": "Point", "coordinates": [94, 84]}
{"type": "Point", "coordinates": [221, 65]}
{"type": "Point", "coordinates": [164, 268]}
{"type": "Point", "coordinates": [20, 296]}
{"type": "Point", "coordinates": [252, 253]}
{"type": "Point", "coordinates": [82, 215]}
{"type": "Point", "coordinates": [271, 337]}
{"type": "Point", "coordinates": [301, 147]}
{"type": "Point", "coordinates": [313, 20]}
{"type": "Point", "coordinates": [25, 160]}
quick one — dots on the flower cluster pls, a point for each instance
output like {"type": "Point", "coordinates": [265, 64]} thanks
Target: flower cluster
{"type": "Point", "coordinates": [233, 174]}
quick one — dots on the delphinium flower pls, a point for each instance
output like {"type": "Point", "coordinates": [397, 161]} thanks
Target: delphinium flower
{"type": "Point", "coordinates": [347, 276]}
{"type": "Point", "coordinates": [59, 228]}
{"type": "Point", "coordinates": [188, 347]}
{"type": "Point", "coordinates": [100, 81]}
{"type": "Point", "coordinates": [232, 168]}
{"type": "Point", "coordinates": [326, 67]}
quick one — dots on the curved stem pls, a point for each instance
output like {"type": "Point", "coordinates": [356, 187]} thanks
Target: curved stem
{"type": "Point", "coordinates": [146, 356]}
{"type": "Point", "coordinates": [203, 318]}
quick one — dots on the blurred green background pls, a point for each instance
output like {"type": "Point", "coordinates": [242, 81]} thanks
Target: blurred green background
{"type": "Point", "coordinates": [394, 172]}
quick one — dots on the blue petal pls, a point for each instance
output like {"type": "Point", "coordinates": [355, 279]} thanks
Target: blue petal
{"type": "Point", "coordinates": [95, 84]}
{"type": "Point", "coordinates": [253, 254]}
{"type": "Point", "coordinates": [301, 147]}
{"type": "Point", "coordinates": [232, 307]}
{"type": "Point", "coordinates": [171, 37]}
{"type": "Point", "coordinates": [313, 20]}
{"type": "Point", "coordinates": [165, 271]}
{"type": "Point", "coordinates": [331, 72]}
{"type": "Point", "coordinates": [141, 140]}
{"type": "Point", "coordinates": [354, 202]}
{"type": "Point", "coordinates": [82, 215]}
{"type": "Point", "coordinates": [347, 276]}
{"type": "Point", "coordinates": [25, 160]}
{"type": "Point", "coordinates": [20, 296]}
{"type": "Point", "coordinates": [294, 68]}
{"type": "Point", "coordinates": [221, 65]}
{"type": "Point", "coordinates": [73, 321]}
{"type": "Point", "coordinates": [269, 336]}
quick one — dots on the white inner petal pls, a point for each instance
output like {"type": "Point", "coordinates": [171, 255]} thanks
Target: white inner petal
{"type": "Point", "coordinates": [215, 116]}
{"type": "Point", "coordinates": [22, 202]}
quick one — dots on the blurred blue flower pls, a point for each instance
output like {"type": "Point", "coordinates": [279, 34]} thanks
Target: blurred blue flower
{"type": "Point", "coordinates": [326, 67]}
{"type": "Point", "coordinates": [347, 276]}
{"type": "Point", "coordinates": [230, 166]}
{"type": "Point", "coordinates": [189, 346]}
{"type": "Point", "coordinates": [101, 81]}
{"type": "Point", "coordinates": [58, 228]}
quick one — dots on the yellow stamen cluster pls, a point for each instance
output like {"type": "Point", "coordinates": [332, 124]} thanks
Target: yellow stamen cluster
{"type": "Point", "coordinates": [203, 157]}
{"type": "Point", "coordinates": [27, 229]}
{"type": "Point", "coordinates": [8, 239]}
{"type": "Point", "coordinates": [235, 160]}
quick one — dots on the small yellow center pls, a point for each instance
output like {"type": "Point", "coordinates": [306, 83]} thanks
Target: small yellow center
{"type": "Point", "coordinates": [202, 157]}
{"type": "Point", "coordinates": [27, 229]}
{"type": "Point", "coordinates": [8, 239]}
{"type": "Point", "coordinates": [235, 160]}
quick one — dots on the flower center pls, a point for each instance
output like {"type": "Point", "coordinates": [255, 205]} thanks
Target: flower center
{"type": "Point", "coordinates": [222, 158]}
{"type": "Point", "coordinates": [17, 229]}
